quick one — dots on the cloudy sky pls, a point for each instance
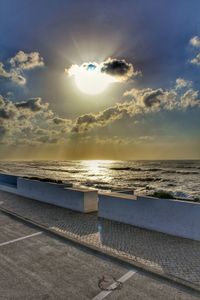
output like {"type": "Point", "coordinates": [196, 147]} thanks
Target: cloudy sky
{"type": "Point", "coordinates": [99, 79]}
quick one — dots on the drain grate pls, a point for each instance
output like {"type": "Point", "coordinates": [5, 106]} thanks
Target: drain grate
{"type": "Point", "coordinates": [109, 283]}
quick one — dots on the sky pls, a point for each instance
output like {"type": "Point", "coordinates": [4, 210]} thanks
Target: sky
{"type": "Point", "coordinates": [99, 79]}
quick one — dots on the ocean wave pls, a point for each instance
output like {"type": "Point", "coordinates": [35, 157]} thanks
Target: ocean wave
{"type": "Point", "coordinates": [164, 193]}
{"type": "Point", "coordinates": [60, 170]}
{"type": "Point", "coordinates": [144, 179]}
{"type": "Point", "coordinates": [180, 172]}
{"type": "Point", "coordinates": [153, 169]}
{"type": "Point", "coordinates": [181, 194]}
{"type": "Point", "coordinates": [186, 167]}
{"type": "Point", "coordinates": [136, 169]}
{"type": "Point", "coordinates": [125, 169]}
{"type": "Point", "coordinates": [187, 173]}
{"type": "Point", "coordinates": [171, 184]}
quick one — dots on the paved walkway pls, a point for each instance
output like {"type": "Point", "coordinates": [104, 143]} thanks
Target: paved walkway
{"type": "Point", "coordinates": [155, 251]}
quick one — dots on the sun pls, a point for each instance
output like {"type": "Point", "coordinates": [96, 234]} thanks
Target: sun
{"type": "Point", "coordinates": [90, 80]}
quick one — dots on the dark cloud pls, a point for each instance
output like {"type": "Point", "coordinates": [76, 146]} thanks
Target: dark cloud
{"type": "Point", "coordinates": [1, 101]}
{"type": "Point", "coordinates": [88, 118]}
{"type": "Point", "coordinates": [86, 122]}
{"type": "Point", "coordinates": [7, 110]}
{"type": "Point", "coordinates": [6, 114]}
{"type": "Point", "coordinates": [117, 67]}
{"type": "Point", "coordinates": [151, 98]}
{"type": "Point", "coordinates": [60, 121]}
{"type": "Point", "coordinates": [34, 105]}
{"type": "Point", "coordinates": [2, 131]}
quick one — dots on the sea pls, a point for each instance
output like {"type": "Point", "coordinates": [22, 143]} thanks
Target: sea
{"type": "Point", "coordinates": [181, 178]}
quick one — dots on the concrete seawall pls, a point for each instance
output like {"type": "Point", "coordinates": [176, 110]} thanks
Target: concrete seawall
{"type": "Point", "coordinates": [175, 217]}
{"type": "Point", "coordinates": [79, 199]}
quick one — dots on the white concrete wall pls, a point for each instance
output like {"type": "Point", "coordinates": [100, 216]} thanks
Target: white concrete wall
{"type": "Point", "coordinates": [84, 200]}
{"type": "Point", "coordinates": [179, 218]}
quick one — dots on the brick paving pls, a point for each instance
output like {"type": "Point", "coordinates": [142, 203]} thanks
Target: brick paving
{"type": "Point", "coordinates": [156, 251]}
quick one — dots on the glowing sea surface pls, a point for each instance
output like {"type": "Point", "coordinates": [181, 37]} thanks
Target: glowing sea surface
{"type": "Point", "coordinates": [182, 178]}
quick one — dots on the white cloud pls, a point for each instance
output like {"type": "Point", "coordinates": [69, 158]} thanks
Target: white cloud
{"type": "Point", "coordinates": [195, 41]}
{"type": "Point", "coordinates": [196, 60]}
{"type": "Point", "coordinates": [142, 101]}
{"type": "Point", "coordinates": [20, 62]}
{"type": "Point", "coordinates": [12, 74]}
{"type": "Point", "coordinates": [182, 83]}
{"type": "Point", "coordinates": [27, 61]}
{"type": "Point", "coordinates": [190, 99]}
{"type": "Point", "coordinates": [3, 72]}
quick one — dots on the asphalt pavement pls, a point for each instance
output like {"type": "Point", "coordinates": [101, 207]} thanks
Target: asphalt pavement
{"type": "Point", "coordinates": [38, 265]}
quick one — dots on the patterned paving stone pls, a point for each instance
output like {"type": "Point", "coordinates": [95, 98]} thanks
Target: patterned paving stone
{"type": "Point", "coordinates": [160, 252]}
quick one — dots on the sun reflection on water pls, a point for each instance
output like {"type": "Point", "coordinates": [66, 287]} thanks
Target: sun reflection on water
{"type": "Point", "coordinates": [95, 165]}
{"type": "Point", "coordinates": [98, 169]}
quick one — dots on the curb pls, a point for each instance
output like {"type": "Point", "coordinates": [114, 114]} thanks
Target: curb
{"type": "Point", "coordinates": [131, 263]}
